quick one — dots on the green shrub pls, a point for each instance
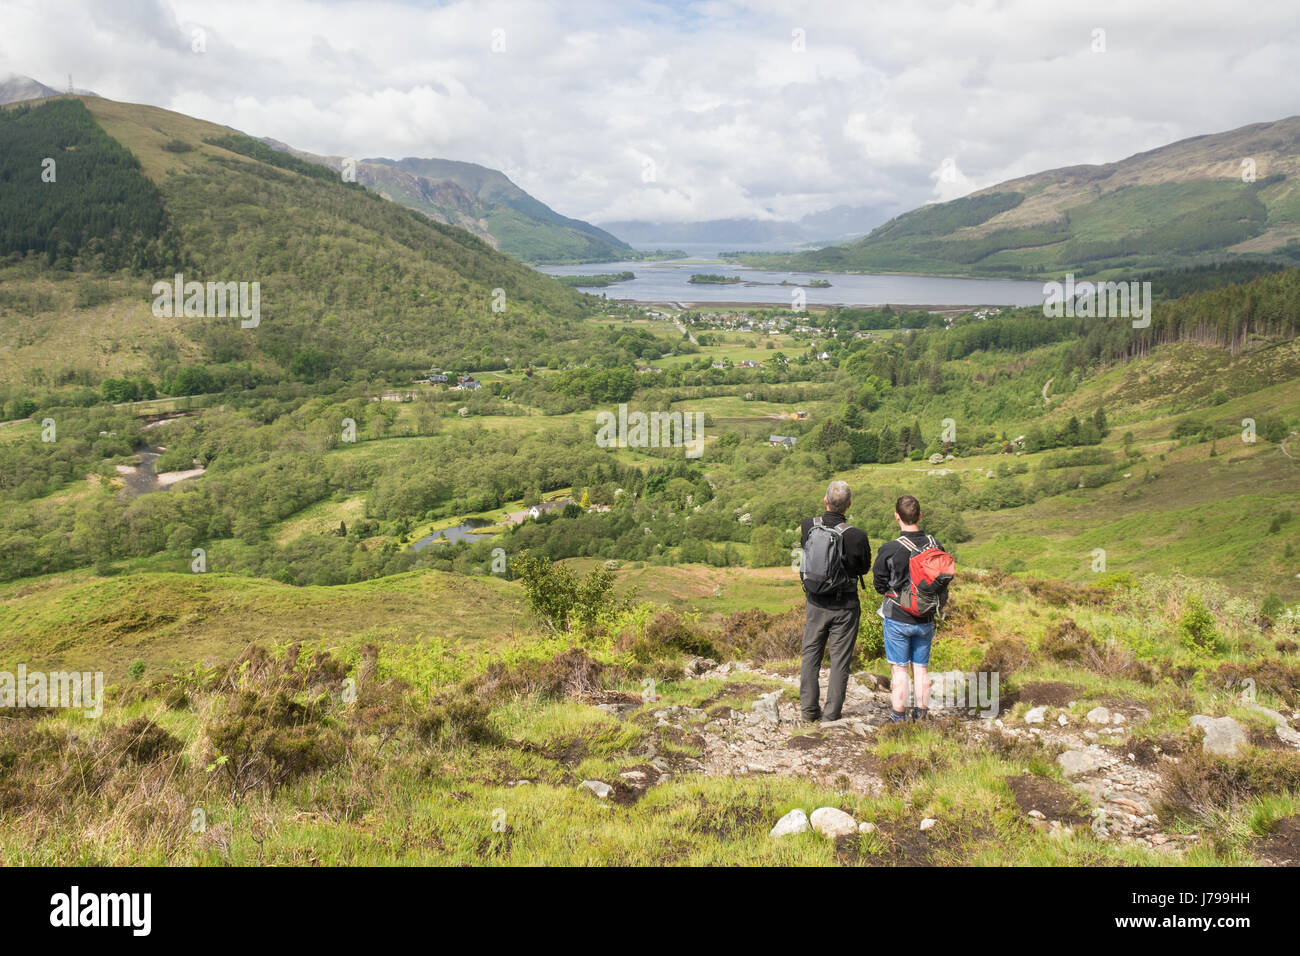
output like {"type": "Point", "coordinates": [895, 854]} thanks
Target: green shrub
{"type": "Point", "coordinates": [265, 741]}
{"type": "Point", "coordinates": [871, 637]}
{"type": "Point", "coordinates": [560, 599]}
{"type": "Point", "coordinates": [1196, 627]}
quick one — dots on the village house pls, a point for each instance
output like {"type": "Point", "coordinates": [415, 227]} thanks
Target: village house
{"type": "Point", "coordinates": [546, 507]}
{"type": "Point", "coordinates": [781, 441]}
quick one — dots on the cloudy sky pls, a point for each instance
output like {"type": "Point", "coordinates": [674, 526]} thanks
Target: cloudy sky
{"type": "Point", "coordinates": [679, 111]}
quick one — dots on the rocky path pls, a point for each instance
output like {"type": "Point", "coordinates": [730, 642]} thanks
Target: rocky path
{"type": "Point", "coordinates": [1118, 775]}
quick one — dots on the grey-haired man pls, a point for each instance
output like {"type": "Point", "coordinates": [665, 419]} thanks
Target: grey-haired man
{"type": "Point", "coordinates": [832, 611]}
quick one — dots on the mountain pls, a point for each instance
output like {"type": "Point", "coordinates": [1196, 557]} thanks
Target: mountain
{"type": "Point", "coordinates": [1193, 201]}
{"type": "Point", "coordinates": [830, 225]}
{"type": "Point", "coordinates": [15, 89]}
{"type": "Point", "coordinates": [482, 201]}
{"type": "Point", "coordinates": [348, 282]}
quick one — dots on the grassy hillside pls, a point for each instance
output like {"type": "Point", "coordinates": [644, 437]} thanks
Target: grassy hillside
{"type": "Point", "coordinates": [378, 287]}
{"type": "Point", "coordinates": [615, 746]}
{"type": "Point", "coordinates": [1182, 204]}
{"type": "Point", "coordinates": [170, 620]}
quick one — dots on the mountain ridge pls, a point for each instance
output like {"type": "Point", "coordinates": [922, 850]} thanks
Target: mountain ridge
{"type": "Point", "coordinates": [481, 200]}
{"type": "Point", "coordinates": [1196, 200]}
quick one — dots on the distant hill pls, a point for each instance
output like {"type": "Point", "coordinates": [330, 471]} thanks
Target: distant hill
{"type": "Point", "coordinates": [484, 202]}
{"type": "Point", "coordinates": [1179, 205]}
{"type": "Point", "coordinates": [16, 89]}
{"type": "Point", "coordinates": [349, 282]}
{"type": "Point", "coordinates": [831, 225]}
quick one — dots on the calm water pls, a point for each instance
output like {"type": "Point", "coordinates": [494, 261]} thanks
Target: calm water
{"type": "Point", "coordinates": [668, 282]}
{"type": "Point", "coordinates": [460, 532]}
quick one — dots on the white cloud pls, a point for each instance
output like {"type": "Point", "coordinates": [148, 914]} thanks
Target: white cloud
{"type": "Point", "coordinates": [737, 121]}
{"type": "Point", "coordinates": [888, 140]}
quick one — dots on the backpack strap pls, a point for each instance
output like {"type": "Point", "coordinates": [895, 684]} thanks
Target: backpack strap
{"type": "Point", "coordinates": [842, 527]}
{"type": "Point", "coordinates": [907, 543]}
{"type": "Point", "coordinates": [932, 542]}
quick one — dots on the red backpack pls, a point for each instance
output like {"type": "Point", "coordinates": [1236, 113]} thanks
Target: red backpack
{"type": "Point", "coordinates": [929, 571]}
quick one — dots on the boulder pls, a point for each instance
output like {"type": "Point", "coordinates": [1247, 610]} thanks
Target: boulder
{"type": "Point", "coordinates": [832, 823]}
{"type": "Point", "coordinates": [1223, 735]}
{"type": "Point", "coordinates": [796, 821]}
{"type": "Point", "coordinates": [1036, 715]}
{"type": "Point", "coordinates": [1099, 715]}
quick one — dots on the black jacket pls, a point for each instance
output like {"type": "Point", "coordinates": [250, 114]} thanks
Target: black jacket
{"type": "Point", "coordinates": [857, 560]}
{"type": "Point", "coordinates": [891, 573]}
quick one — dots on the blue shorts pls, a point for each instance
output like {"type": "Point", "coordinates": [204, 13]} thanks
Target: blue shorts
{"type": "Point", "coordinates": [908, 643]}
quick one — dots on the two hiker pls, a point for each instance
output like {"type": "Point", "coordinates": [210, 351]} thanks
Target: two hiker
{"type": "Point", "coordinates": [911, 572]}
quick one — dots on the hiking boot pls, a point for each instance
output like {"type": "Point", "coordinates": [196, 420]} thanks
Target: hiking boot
{"type": "Point", "coordinates": [920, 713]}
{"type": "Point", "coordinates": [897, 716]}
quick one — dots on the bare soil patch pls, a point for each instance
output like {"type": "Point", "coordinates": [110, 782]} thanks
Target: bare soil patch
{"type": "Point", "coordinates": [1282, 845]}
{"type": "Point", "coordinates": [1053, 800]}
{"type": "Point", "coordinates": [1049, 692]}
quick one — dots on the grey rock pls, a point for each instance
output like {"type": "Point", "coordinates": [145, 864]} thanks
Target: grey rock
{"type": "Point", "coordinates": [1099, 715]}
{"type": "Point", "coordinates": [766, 707]}
{"type": "Point", "coordinates": [1078, 762]}
{"type": "Point", "coordinates": [796, 821]}
{"type": "Point", "coordinates": [600, 789]}
{"type": "Point", "coordinates": [1223, 735]}
{"type": "Point", "coordinates": [844, 723]}
{"type": "Point", "coordinates": [1036, 715]}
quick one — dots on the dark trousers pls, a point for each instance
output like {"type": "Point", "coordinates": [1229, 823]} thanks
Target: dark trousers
{"type": "Point", "coordinates": [837, 629]}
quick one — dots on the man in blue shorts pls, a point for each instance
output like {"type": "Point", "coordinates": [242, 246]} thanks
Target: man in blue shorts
{"type": "Point", "coordinates": [907, 638]}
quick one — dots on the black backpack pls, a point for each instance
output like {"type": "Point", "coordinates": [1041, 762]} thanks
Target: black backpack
{"type": "Point", "coordinates": [823, 560]}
